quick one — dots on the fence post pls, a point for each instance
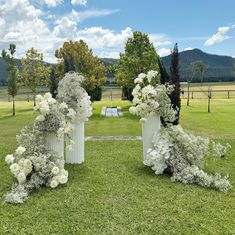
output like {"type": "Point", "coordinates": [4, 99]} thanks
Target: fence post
{"type": "Point", "coordinates": [192, 94]}
{"type": "Point", "coordinates": [228, 94]}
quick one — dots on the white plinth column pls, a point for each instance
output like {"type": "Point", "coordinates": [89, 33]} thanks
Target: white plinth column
{"type": "Point", "coordinates": [149, 128]}
{"type": "Point", "coordinates": [76, 154]}
{"type": "Point", "coordinates": [54, 144]}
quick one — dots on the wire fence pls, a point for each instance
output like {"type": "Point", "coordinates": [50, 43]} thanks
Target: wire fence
{"type": "Point", "coordinates": [115, 93]}
{"type": "Point", "coordinates": [203, 94]}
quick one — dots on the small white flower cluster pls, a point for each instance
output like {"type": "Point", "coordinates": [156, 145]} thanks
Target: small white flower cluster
{"type": "Point", "coordinates": [152, 98]}
{"type": "Point", "coordinates": [182, 154]}
{"type": "Point", "coordinates": [219, 149]}
{"type": "Point", "coordinates": [71, 92]}
{"type": "Point", "coordinates": [44, 104]}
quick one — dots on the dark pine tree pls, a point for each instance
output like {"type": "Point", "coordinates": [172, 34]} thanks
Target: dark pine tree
{"type": "Point", "coordinates": [163, 72]}
{"type": "Point", "coordinates": [175, 80]}
{"type": "Point", "coordinates": [53, 83]}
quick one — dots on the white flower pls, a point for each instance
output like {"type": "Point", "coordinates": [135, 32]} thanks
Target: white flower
{"type": "Point", "coordinates": [143, 120]}
{"type": "Point", "coordinates": [15, 168]}
{"type": "Point", "coordinates": [40, 118]}
{"type": "Point", "coordinates": [55, 170]}
{"type": "Point", "coordinates": [60, 133]}
{"type": "Point", "coordinates": [9, 159]}
{"type": "Point", "coordinates": [68, 128]}
{"type": "Point", "coordinates": [71, 114]}
{"type": "Point", "coordinates": [21, 162]}
{"type": "Point", "coordinates": [63, 106]}
{"type": "Point", "coordinates": [54, 183]}
{"type": "Point", "coordinates": [27, 163]}
{"type": "Point", "coordinates": [20, 150]}
{"type": "Point", "coordinates": [44, 108]}
{"type": "Point", "coordinates": [63, 179]}
{"type": "Point", "coordinates": [39, 98]}
{"type": "Point", "coordinates": [51, 101]}
{"type": "Point", "coordinates": [151, 74]}
{"type": "Point", "coordinates": [142, 76]}
{"type": "Point", "coordinates": [47, 95]}
{"type": "Point", "coordinates": [21, 177]}
{"type": "Point", "coordinates": [64, 172]}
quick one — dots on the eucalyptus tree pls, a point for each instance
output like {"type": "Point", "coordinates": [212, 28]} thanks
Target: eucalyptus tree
{"type": "Point", "coordinates": [35, 72]}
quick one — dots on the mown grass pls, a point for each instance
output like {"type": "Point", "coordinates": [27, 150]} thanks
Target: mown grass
{"type": "Point", "coordinates": [113, 192]}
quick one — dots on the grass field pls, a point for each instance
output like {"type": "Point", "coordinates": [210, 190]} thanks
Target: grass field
{"type": "Point", "coordinates": [113, 192]}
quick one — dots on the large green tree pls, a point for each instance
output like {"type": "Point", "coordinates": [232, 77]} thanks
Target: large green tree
{"type": "Point", "coordinates": [35, 72]}
{"type": "Point", "coordinates": [175, 80]}
{"type": "Point", "coordinates": [76, 56]}
{"type": "Point", "coordinates": [140, 56]}
{"type": "Point", "coordinates": [12, 68]}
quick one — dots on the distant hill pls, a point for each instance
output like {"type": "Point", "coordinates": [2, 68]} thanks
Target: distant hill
{"type": "Point", "coordinates": [220, 68]}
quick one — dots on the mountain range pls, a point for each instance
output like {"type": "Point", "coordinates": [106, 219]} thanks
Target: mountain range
{"type": "Point", "coordinates": [219, 68]}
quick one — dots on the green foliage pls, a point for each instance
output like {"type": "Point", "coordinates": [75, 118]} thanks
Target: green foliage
{"type": "Point", "coordinates": [140, 56]}
{"type": "Point", "coordinates": [34, 70]}
{"type": "Point", "coordinates": [95, 94]}
{"type": "Point", "coordinates": [76, 56]}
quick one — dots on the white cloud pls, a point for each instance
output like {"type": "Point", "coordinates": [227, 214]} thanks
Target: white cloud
{"type": "Point", "coordinates": [188, 49]}
{"type": "Point", "coordinates": [52, 3]}
{"type": "Point", "coordinates": [108, 54]}
{"type": "Point", "coordinates": [97, 37]}
{"type": "Point", "coordinates": [164, 52]}
{"type": "Point", "coordinates": [65, 28]}
{"type": "Point", "coordinates": [79, 2]}
{"type": "Point", "coordinates": [219, 36]}
{"type": "Point", "coordinates": [82, 15]}
{"type": "Point", "coordinates": [159, 40]}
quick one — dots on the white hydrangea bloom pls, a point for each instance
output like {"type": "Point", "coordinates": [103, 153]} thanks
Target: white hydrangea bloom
{"type": "Point", "coordinates": [20, 150]}
{"type": "Point", "coordinates": [40, 118]}
{"type": "Point", "coordinates": [63, 179]}
{"type": "Point", "coordinates": [21, 177]}
{"type": "Point", "coordinates": [54, 183]}
{"type": "Point", "coordinates": [55, 170]}
{"type": "Point", "coordinates": [9, 159]}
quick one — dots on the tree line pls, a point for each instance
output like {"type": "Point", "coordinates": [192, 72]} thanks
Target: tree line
{"type": "Point", "coordinates": [139, 56]}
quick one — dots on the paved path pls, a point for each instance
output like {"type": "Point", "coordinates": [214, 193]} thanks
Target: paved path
{"type": "Point", "coordinates": [94, 138]}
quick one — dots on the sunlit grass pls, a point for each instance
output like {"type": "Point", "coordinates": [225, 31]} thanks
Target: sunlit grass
{"type": "Point", "coordinates": [113, 192]}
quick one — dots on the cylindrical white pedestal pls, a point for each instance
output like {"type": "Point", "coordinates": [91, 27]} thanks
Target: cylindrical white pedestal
{"type": "Point", "coordinates": [54, 144]}
{"type": "Point", "coordinates": [149, 128]}
{"type": "Point", "coordinates": [76, 154]}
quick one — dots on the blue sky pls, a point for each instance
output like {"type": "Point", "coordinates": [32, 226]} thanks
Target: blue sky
{"type": "Point", "coordinates": [106, 24]}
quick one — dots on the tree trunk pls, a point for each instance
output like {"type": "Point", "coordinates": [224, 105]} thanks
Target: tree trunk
{"type": "Point", "coordinates": [188, 95]}
{"type": "Point", "coordinates": [13, 108]}
{"type": "Point", "coordinates": [209, 103]}
{"type": "Point", "coordinates": [34, 99]}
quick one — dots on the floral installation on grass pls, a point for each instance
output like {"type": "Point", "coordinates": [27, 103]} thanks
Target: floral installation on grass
{"type": "Point", "coordinates": [173, 150]}
{"type": "Point", "coordinates": [151, 98]}
{"type": "Point", "coordinates": [32, 164]}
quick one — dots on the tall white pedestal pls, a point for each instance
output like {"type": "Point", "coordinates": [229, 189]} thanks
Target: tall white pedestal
{"type": "Point", "coordinates": [149, 128]}
{"type": "Point", "coordinates": [54, 144]}
{"type": "Point", "coordinates": [76, 154]}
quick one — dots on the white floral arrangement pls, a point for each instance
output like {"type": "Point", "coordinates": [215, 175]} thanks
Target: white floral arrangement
{"type": "Point", "coordinates": [182, 154]}
{"type": "Point", "coordinates": [32, 164]}
{"type": "Point", "coordinates": [152, 98]}
{"type": "Point", "coordinates": [71, 93]}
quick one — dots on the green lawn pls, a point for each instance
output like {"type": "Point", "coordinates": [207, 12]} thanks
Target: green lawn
{"type": "Point", "coordinates": [113, 192]}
